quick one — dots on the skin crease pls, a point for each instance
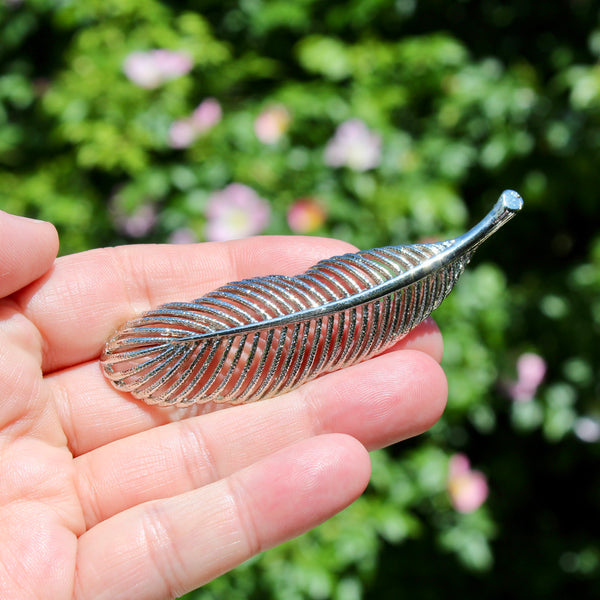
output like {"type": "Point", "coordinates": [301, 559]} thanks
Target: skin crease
{"type": "Point", "coordinates": [102, 496]}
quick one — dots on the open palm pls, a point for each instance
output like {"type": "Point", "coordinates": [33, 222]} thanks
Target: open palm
{"type": "Point", "coordinates": [102, 496]}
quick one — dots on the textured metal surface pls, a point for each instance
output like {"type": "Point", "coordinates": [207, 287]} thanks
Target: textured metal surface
{"type": "Point", "coordinates": [263, 336]}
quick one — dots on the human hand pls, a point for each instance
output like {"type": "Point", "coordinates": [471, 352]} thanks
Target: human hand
{"type": "Point", "coordinates": [105, 497]}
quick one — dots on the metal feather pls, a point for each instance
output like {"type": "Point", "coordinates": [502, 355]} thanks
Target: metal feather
{"type": "Point", "coordinates": [264, 336]}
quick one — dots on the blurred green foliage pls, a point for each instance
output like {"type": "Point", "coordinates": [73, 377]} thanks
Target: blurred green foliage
{"type": "Point", "coordinates": [467, 98]}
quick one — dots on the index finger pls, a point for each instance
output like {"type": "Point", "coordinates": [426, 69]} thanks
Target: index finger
{"type": "Point", "coordinates": [86, 296]}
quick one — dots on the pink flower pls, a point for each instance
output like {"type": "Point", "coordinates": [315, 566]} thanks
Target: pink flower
{"type": "Point", "coordinates": [139, 223]}
{"type": "Point", "coordinates": [305, 215]}
{"type": "Point", "coordinates": [181, 133]}
{"type": "Point", "coordinates": [468, 488]}
{"type": "Point", "coordinates": [153, 68]}
{"type": "Point", "coordinates": [183, 235]}
{"type": "Point", "coordinates": [236, 212]}
{"type": "Point", "coordinates": [184, 132]}
{"type": "Point", "coordinates": [587, 429]}
{"type": "Point", "coordinates": [271, 124]}
{"type": "Point", "coordinates": [531, 370]}
{"type": "Point", "coordinates": [207, 114]}
{"type": "Point", "coordinates": [353, 146]}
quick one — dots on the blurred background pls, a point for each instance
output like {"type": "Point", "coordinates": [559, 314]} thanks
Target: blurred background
{"type": "Point", "coordinates": [378, 122]}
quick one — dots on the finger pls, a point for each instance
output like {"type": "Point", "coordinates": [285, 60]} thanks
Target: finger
{"type": "Point", "coordinates": [93, 414]}
{"type": "Point", "coordinates": [378, 402]}
{"type": "Point", "coordinates": [27, 250]}
{"type": "Point", "coordinates": [426, 338]}
{"type": "Point", "coordinates": [94, 292]}
{"type": "Point", "coordinates": [165, 548]}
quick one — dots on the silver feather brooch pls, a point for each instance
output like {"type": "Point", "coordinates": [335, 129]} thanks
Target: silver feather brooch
{"type": "Point", "coordinates": [264, 336]}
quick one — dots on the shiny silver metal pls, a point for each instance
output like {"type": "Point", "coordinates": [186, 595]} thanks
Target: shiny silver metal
{"type": "Point", "coordinates": [264, 336]}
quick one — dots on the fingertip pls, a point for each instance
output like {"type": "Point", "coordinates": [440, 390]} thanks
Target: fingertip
{"type": "Point", "coordinates": [434, 388]}
{"type": "Point", "coordinates": [304, 484]}
{"type": "Point", "coordinates": [427, 395]}
{"type": "Point", "coordinates": [381, 401]}
{"type": "Point", "coordinates": [53, 237]}
{"type": "Point", "coordinates": [351, 458]}
{"type": "Point", "coordinates": [28, 248]}
{"type": "Point", "coordinates": [426, 338]}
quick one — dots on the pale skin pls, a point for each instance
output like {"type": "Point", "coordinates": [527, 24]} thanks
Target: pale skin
{"type": "Point", "coordinates": [102, 496]}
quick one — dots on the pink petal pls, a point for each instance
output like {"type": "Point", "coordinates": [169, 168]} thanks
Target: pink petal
{"type": "Point", "coordinates": [153, 68]}
{"type": "Point", "coordinates": [531, 369]}
{"type": "Point", "coordinates": [141, 69]}
{"type": "Point", "coordinates": [469, 492]}
{"type": "Point", "coordinates": [181, 134]}
{"type": "Point", "coordinates": [271, 124]}
{"type": "Point", "coordinates": [468, 488]}
{"type": "Point", "coordinates": [207, 115]}
{"type": "Point", "coordinates": [354, 146]}
{"type": "Point", "coordinates": [305, 215]}
{"type": "Point", "coordinates": [171, 64]}
{"type": "Point", "coordinates": [459, 465]}
{"type": "Point", "coordinates": [235, 212]}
